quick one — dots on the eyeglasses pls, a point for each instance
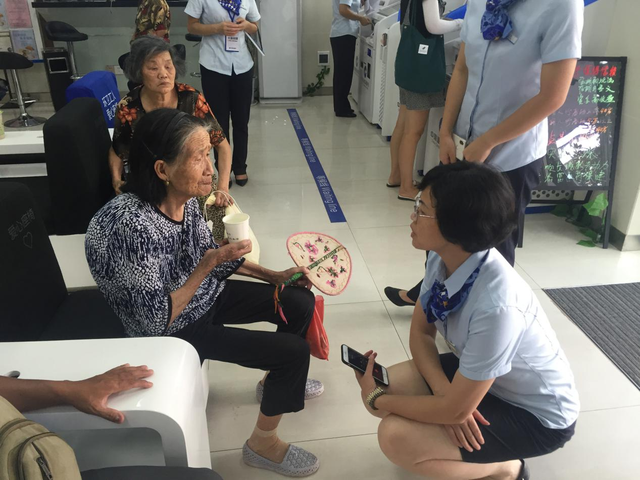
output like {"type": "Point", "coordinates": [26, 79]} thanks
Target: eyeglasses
{"type": "Point", "coordinates": [416, 209]}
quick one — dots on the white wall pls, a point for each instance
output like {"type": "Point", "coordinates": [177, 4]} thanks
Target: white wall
{"type": "Point", "coordinates": [598, 21]}
{"type": "Point", "coordinates": [316, 25]}
{"type": "Point", "coordinates": [623, 41]}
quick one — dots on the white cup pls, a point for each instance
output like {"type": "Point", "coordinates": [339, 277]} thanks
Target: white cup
{"type": "Point", "coordinates": [237, 226]}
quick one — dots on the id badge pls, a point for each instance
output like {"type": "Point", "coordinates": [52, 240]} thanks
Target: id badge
{"type": "Point", "coordinates": [232, 44]}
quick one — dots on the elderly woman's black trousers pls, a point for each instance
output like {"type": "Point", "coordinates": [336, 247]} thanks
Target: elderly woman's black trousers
{"type": "Point", "coordinates": [284, 353]}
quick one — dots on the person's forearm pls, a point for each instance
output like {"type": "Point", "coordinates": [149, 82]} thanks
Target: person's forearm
{"type": "Point", "coordinates": [424, 408]}
{"type": "Point", "coordinates": [252, 270]}
{"type": "Point", "coordinates": [427, 359]}
{"type": "Point", "coordinates": [27, 395]}
{"type": "Point", "coordinates": [197, 28]}
{"type": "Point", "coordinates": [522, 120]}
{"type": "Point", "coordinates": [181, 297]}
{"type": "Point", "coordinates": [115, 165]}
{"type": "Point", "coordinates": [346, 12]}
{"type": "Point", "coordinates": [224, 164]}
{"type": "Point", "coordinates": [251, 27]}
{"type": "Point", "coordinates": [455, 96]}
{"type": "Point", "coordinates": [436, 25]}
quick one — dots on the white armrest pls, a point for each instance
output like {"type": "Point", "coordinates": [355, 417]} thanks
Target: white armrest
{"type": "Point", "coordinates": [174, 407]}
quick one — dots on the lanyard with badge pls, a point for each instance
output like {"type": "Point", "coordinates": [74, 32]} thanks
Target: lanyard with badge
{"type": "Point", "coordinates": [231, 42]}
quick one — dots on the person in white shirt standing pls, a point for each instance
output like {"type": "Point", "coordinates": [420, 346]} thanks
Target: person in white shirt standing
{"type": "Point", "coordinates": [344, 32]}
{"type": "Point", "coordinates": [506, 391]}
{"type": "Point", "coordinates": [227, 67]}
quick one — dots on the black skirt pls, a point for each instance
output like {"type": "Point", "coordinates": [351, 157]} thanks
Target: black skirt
{"type": "Point", "coordinates": [514, 433]}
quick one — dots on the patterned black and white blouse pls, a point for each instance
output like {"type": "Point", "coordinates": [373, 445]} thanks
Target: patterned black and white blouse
{"type": "Point", "coordinates": [138, 256]}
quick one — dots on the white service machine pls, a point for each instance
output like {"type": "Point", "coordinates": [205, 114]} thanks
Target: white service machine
{"type": "Point", "coordinates": [281, 67]}
{"type": "Point", "coordinates": [372, 49]}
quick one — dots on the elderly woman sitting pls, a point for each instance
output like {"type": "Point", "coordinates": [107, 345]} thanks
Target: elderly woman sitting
{"type": "Point", "coordinates": [154, 64]}
{"type": "Point", "coordinates": [155, 261]}
{"type": "Point", "coordinates": [506, 391]}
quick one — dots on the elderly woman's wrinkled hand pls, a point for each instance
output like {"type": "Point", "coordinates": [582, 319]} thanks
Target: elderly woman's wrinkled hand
{"type": "Point", "coordinates": [281, 277]}
{"type": "Point", "coordinates": [227, 252]}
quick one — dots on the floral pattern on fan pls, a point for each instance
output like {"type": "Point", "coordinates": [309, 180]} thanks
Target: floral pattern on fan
{"type": "Point", "coordinates": [327, 259]}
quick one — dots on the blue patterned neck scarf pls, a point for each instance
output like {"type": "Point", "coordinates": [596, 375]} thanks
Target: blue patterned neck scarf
{"type": "Point", "coordinates": [231, 6]}
{"type": "Point", "coordinates": [496, 23]}
{"type": "Point", "coordinates": [438, 306]}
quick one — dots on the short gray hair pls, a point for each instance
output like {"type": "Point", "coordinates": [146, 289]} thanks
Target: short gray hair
{"type": "Point", "coordinates": [144, 49]}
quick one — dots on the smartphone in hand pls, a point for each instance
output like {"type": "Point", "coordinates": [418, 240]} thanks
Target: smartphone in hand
{"type": "Point", "coordinates": [359, 362]}
{"type": "Point", "coordinates": [461, 144]}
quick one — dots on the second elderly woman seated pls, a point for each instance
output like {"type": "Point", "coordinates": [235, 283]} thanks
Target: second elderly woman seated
{"type": "Point", "coordinates": [155, 65]}
{"type": "Point", "coordinates": [156, 262]}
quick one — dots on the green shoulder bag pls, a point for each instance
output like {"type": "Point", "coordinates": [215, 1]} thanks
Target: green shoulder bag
{"type": "Point", "coordinates": [420, 64]}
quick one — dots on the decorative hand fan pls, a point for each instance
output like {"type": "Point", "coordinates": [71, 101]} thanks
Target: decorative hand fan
{"type": "Point", "coordinates": [326, 258]}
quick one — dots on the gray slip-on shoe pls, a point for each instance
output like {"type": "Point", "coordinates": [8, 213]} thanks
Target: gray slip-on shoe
{"type": "Point", "coordinates": [297, 462]}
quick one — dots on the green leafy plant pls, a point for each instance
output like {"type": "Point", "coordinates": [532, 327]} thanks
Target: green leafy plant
{"type": "Point", "coordinates": [314, 87]}
{"type": "Point", "coordinates": [590, 225]}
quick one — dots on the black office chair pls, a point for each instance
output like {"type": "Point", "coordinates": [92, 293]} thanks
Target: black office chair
{"type": "Point", "coordinates": [34, 298]}
{"type": "Point", "coordinates": [63, 32]}
{"type": "Point", "coordinates": [76, 151]}
{"type": "Point", "coordinates": [13, 62]}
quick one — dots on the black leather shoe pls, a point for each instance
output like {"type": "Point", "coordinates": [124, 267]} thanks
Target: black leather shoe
{"type": "Point", "coordinates": [242, 183]}
{"type": "Point", "coordinates": [393, 294]}
{"type": "Point", "coordinates": [524, 472]}
{"type": "Point", "coordinates": [347, 115]}
{"type": "Point", "coordinates": [230, 183]}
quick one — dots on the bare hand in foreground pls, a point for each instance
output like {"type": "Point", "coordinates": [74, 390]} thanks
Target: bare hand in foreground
{"type": "Point", "coordinates": [91, 395]}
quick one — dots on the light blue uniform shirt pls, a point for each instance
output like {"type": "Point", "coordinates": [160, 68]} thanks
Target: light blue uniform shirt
{"type": "Point", "coordinates": [213, 55]}
{"type": "Point", "coordinates": [502, 332]}
{"type": "Point", "coordinates": [505, 74]}
{"type": "Point", "coordinates": [341, 26]}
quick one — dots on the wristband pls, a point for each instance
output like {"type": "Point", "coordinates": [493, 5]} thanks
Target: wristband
{"type": "Point", "coordinates": [373, 396]}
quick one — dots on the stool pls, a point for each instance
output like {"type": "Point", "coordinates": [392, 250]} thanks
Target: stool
{"type": "Point", "coordinates": [14, 61]}
{"type": "Point", "coordinates": [63, 32]}
{"type": "Point", "coordinates": [12, 101]}
{"type": "Point", "coordinates": [190, 37]}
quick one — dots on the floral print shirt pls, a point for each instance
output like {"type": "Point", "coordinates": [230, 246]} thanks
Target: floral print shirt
{"type": "Point", "coordinates": [130, 111]}
{"type": "Point", "coordinates": [153, 16]}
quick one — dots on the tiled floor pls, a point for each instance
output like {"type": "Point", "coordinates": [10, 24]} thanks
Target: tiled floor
{"type": "Point", "coordinates": [282, 198]}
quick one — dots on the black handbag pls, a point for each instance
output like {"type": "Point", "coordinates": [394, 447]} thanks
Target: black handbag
{"type": "Point", "coordinates": [420, 64]}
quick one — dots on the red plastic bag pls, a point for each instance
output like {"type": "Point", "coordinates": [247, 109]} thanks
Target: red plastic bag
{"type": "Point", "coordinates": [317, 335]}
